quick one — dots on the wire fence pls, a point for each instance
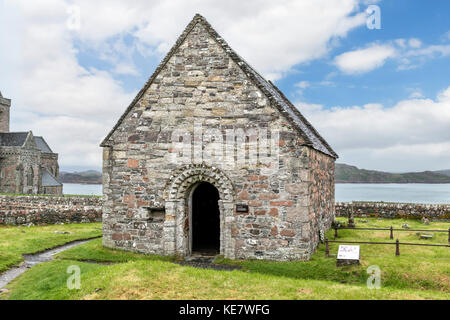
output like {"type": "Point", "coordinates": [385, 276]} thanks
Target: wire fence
{"type": "Point", "coordinates": [397, 244]}
{"type": "Point", "coordinates": [391, 229]}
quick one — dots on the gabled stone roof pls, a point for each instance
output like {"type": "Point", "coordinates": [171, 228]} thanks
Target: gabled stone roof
{"type": "Point", "coordinates": [305, 129]}
{"type": "Point", "coordinates": [13, 139]}
{"type": "Point", "coordinates": [48, 180]}
{"type": "Point", "coordinates": [42, 145]}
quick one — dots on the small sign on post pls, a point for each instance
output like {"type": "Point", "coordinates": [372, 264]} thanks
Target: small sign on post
{"type": "Point", "coordinates": [347, 255]}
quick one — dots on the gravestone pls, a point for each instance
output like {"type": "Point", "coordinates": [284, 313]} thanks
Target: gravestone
{"type": "Point", "coordinates": [351, 220]}
{"type": "Point", "coordinates": [347, 255]}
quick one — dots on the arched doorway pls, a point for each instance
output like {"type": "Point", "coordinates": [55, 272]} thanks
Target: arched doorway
{"type": "Point", "coordinates": [178, 219]}
{"type": "Point", "coordinates": [205, 225]}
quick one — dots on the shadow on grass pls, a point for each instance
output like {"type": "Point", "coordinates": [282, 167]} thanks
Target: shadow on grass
{"type": "Point", "coordinates": [318, 268]}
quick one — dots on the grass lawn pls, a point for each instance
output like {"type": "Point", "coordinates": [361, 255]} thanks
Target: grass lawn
{"type": "Point", "coordinates": [18, 240]}
{"type": "Point", "coordinates": [418, 273]}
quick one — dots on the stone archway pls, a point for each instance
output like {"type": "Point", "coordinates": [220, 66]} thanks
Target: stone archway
{"type": "Point", "coordinates": [177, 197]}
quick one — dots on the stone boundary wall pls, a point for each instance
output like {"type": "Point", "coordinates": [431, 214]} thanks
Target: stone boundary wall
{"type": "Point", "coordinates": [41, 210]}
{"type": "Point", "coordinates": [394, 210]}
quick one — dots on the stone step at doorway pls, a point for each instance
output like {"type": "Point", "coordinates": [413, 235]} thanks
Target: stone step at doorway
{"type": "Point", "coordinates": [205, 260]}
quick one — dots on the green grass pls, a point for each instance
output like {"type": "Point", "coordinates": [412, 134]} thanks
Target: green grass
{"type": "Point", "coordinates": [418, 273]}
{"type": "Point", "coordinates": [419, 268]}
{"type": "Point", "coordinates": [18, 240]}
{"type": "Point", "coordinates": [155, 279]}
{"type": "Point", "coordinates": [94, 251]}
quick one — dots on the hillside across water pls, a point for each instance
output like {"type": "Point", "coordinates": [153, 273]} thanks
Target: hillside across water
{"type": "Point", "coordinates": [84, 177]}
{"type": "Point", "coordinates": [351, 174]}
{"type": "Point", "coordinates": [344, 174]}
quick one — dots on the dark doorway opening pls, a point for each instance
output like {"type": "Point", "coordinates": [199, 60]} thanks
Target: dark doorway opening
{"type": "Point", "coordinates": [205, 219]}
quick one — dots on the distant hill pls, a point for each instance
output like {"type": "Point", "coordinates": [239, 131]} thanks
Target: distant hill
{"type": "Point", "coordinates": [344, 174]}
{"type": "Point", "coordinates": [444, 172]}
{"type": "Point", "coordinates": [351, 174]}
{"type": "Point", "coordinates": [85, 177]}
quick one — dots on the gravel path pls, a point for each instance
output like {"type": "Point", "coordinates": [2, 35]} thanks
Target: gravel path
{"type": "Point", "coordinates": [30, 260]}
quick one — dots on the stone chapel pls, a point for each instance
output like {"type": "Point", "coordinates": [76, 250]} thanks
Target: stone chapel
{"type": "Point", "coordinates": [211, 158]}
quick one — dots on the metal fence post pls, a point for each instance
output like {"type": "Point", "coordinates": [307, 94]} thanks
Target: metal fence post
{"type": "Point", "coordinates": [327, 249]}
{"type": "Point", "coordinates": [397, 248]}
{"type": "Point", "coordinates": [335, 232]}
{"type": "Point", "coordinates": [448, 235]}
{"type": "Point", "coordinates": [392, 233]}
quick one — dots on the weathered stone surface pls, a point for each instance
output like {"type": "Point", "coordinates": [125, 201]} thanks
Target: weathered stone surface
{"type": "Point", "coordinates": [394, 210]}
{"type": "Point", "coordinates": [27, 164]}
{"type": "Point", "coordinates": [40, 210]}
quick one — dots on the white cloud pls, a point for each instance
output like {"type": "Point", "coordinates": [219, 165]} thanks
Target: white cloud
{"type": "Point", "coordinates": [412, 135]}
{"type": "Point", "coordinates": [414, 43]}
{"type": "Point", "coordinates": [273, 36]}
{"type": "Point", "coordinates": [408, 53]}
{"type": "Point", "coordinates": [301, 86]}
{"type": "Point", "coordinates": [52, 95]}
{"type": "Point", "coordinates": [364, 60]}
{"type": "Point", "coordinates": [123, 68]}
{"type": "Point", "coordinates": [430, 51]}
{"type": "Point", "coordinates": [416, 93]}
{"type": "Point", "coordinates": [400, 42]}
{"type": "Point", "coordinates": [74, 107]}
{"type": "Point", "coordinates": [446, 36]}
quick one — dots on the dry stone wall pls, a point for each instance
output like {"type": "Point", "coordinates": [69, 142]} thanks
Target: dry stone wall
{"type": "Point", "coordinates": [321, 195]}
{"type": "Point", "coordinates": [41, 210]}
{"type": "Point", "coordinates": [394, 210]}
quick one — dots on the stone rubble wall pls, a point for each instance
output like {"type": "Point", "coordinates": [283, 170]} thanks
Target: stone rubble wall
{"type": "Point", "coordinates": [394, 210]}
{"type": "Point", "coordinates": [321, 194]}
{"type": "Point", "coordinates": [42, 210]}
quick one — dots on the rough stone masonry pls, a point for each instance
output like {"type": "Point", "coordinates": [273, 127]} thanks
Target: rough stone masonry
{"type": "Point", "coordinates": [272, 205]}
{"type": "Point", "coordinates": [44, 210]}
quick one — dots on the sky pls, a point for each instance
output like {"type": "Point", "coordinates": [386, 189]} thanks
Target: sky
{"type": "Point", "coordinates": [373, 77]}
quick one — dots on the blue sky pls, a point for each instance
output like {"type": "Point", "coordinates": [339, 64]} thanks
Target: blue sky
{"type": "Point", "coordinates": [381, 97]}
{"type": "Point", "coordinates": [400, 20]}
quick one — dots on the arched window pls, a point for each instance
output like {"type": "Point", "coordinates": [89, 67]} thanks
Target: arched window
{"type": "Point", "coordinates": [30, 177]}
